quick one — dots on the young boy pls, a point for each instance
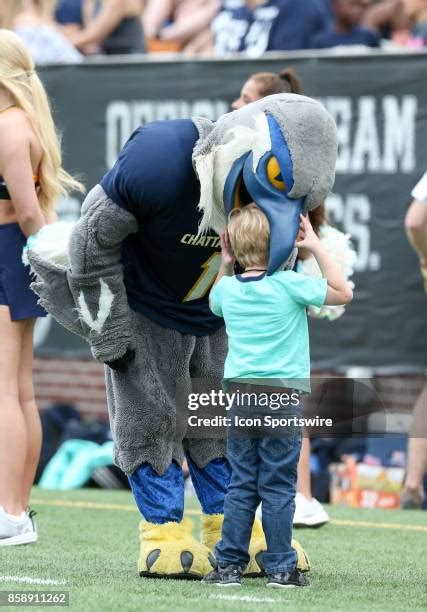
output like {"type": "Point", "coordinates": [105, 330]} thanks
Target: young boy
{"type": "Point", "coordinates": [268, 347]}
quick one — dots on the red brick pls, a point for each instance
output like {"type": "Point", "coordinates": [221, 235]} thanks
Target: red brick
{"type": "Point", "coordinates": [81, 382]}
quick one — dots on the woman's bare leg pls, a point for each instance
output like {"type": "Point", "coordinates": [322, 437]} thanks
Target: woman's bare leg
{"type": "Point", "coordinates": [13, 433]}
{"type": "Point", "coordinates": [308, 511]}
{"type": "Point", "coordinates": [29, 411]}
{"type": "Point", "coordinates": [417, 446]}
{"type": "Point", "coordinates": [304, 473]}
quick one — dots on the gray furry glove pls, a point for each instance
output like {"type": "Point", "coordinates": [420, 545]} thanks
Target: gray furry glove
{"type": "Point", "coordinates": [51, 285]}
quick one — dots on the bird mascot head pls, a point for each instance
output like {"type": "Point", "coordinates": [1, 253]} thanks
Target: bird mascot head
{"type": "Point", "coordinates": [278, 152]}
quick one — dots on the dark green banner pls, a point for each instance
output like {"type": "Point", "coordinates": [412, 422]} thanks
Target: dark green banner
{"type": "Point", "coordinates": [379, 103]}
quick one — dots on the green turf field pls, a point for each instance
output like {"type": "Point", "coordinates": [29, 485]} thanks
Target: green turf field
{"type": "Point", "coordinates": [363, 560]}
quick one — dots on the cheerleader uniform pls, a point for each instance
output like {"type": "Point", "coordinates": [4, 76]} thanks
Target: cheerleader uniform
{"type": "Point", "coordinates": [15, 278]}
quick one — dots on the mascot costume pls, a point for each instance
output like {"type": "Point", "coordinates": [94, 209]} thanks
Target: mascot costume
{"type": "Point", "coordinates": [141, 261]}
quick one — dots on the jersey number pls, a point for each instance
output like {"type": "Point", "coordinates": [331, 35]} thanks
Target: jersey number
{"type": "Point", "coordinates": [206, 279]}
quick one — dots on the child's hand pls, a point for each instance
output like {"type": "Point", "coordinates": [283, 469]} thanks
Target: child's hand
{"type": "Point", "coordinates": [227, 256]}
{"type": "Point", "coordinates": [307, 238]}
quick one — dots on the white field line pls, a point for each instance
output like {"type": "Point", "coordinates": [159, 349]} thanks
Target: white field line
{"type": "Point", "coordinates": [247, 598]}
{"type": "Point", "coordinates": [29, 580]}
{"type": "Point", "coordinates": [132, 508]}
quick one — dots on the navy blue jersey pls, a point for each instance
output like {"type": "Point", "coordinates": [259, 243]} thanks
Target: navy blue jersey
{"type": "Point", "coordinates": [168, 269]}
{"type": "Point", "coordinates": [274, 25]}
{"type": "Point", "coordinates": [358, 36]}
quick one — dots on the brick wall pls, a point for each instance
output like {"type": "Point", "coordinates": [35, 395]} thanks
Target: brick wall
{"type": "Point", "coordinates": [82, 383]}
{"type": "Point", "coordinates": [71, 381]}
{"type": "Point", "coordinates": [399, 393]}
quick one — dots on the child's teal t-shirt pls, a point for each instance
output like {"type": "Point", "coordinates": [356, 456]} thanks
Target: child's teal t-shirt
{"type": "Point", "coordinates": [266, 324]}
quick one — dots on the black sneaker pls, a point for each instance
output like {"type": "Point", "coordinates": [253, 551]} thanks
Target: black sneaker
{"type": "Point", "coordinates": [287, 580]}
{"type": "Point", "coordinates": [228, 576]}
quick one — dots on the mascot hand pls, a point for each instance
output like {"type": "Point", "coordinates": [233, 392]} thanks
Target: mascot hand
{"type": "Point", "coordinates": [122, 363]}
{"type": "Point", "coordinates": [211, 534]}
{"type": "Point", "coordinates": [51, 285]}
{"type": "Point", "coordinates": [170, 551]}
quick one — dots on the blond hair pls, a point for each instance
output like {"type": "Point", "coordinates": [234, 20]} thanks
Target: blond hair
{"type": "Point", "coordinates": [249, 233]}
{"type": "Point", "coordinates": [19, 79]}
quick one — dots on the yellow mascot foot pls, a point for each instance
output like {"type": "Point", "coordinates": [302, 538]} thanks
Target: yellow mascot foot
{"type": "Point", "coordinates": [171, 551]}
{"type": "Point", "coordinates": [211, 526]}
{"type": "Point", "coordinates": [257, 546]}
{"type": "Point", "coordinates": [303, 562]}
{"type": "Point", "coordinates": [210, 529]}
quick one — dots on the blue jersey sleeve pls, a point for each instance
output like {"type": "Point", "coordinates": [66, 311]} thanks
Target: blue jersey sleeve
{"type": "Point", "coordinates": [126, 182]}
{"type": "Point", "coordinates": [305, 290]}
{"type": "Point", "coordinates": [154, 168]}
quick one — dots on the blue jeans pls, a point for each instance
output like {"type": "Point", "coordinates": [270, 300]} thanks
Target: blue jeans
{"type": "Point", "coordinates": [263, 469]}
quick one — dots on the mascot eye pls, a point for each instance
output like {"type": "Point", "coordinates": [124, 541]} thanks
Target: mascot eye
{"type": "Point", "coordinates": [274, 174]}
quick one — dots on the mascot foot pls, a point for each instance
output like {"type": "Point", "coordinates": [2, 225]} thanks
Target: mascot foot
{"type": "Point", "coordinates": [211, 525]}
{"type": "Point", "coordinates": [303, 562]}
{"type": "Point", "coordinates": [170, 551]}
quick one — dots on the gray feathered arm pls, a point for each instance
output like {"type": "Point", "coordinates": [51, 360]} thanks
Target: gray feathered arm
{"type": "Point", "coordinates": [89, 297]}
{"type": "Point", "coordinates": [96, 275]}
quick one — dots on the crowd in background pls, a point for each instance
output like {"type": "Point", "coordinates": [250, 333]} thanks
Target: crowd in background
{"type": "Point", "coordinates": [66, 31]}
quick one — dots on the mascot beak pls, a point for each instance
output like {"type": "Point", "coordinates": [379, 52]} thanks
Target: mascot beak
{"type": "Point", "coordinates": [283, 215]}
{"type": "Point", "coordinates": [268, 187]}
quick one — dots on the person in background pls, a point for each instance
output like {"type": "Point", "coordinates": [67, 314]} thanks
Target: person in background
{"type": "Point", "coordinates": [263, 84]}
{"type": "Point", "coordinates": [111, 27]}
{"type": "Point", "coordinates": [412, 495]}
{"type": "Point", "coordinates": [385, 17]}
{"type": "Point", "coordinates": [258, 26]}
{"type": "Point", "coordinates": [416, 224]}
{"type": "Point", "coordinates": [69, 17]}
{"type": "Point", "coordinates": [308, 511]}
{"type": "Point", "coordinates": [181, 25]}
{"type": "Point", "coordinates": [33, 21]}
{"type": "Point", "coordinates": [69, 13]}
{"type": "Point", "coordinates": [31, 179]}
{"type": "Point", "coordinates": [401, 23]}
{"type": "Point", "coordinates": [415, 34]}
{"type": "Point", "coordinates": [346, 29]}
